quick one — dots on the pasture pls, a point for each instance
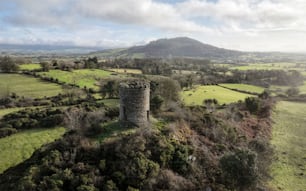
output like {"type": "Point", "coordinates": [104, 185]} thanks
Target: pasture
{"type": "Point", "coordinates": [4, 112]}
{"type": "Point", "coordinates": [269, 66]}
{"type": "Point", "coordinates": [84, 78]}
{"type": "Point", "coordinates": [29, 67]}
{"type": "Point", "coordinates": [198, 94]}
{"type": "Point", "coordinates": [244, 87]}
{"type": "Point", "coordinates": [27, 86]}
{"type": "Point", "coordinates": [19, 147]}
{"type": "Point", "coordinates": [125, 71]}
{"type": "Point", "coordinates": [288, 168]}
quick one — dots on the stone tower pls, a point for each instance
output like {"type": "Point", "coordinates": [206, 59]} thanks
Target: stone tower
{"type": "Point", "coordinates": [134, 103]}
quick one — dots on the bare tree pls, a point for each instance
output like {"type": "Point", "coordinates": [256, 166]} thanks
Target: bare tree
{"type": "Point", "coordinates": [74, 118]}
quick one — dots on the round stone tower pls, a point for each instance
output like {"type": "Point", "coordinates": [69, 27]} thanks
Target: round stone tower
{"type": "Point", "coordinates": [134, 103]}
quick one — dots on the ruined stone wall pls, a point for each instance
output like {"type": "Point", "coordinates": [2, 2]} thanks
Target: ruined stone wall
{"type": "Point", "coordinates": [134, 103]}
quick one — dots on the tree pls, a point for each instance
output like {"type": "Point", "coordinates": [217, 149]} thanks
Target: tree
{"type": "Point", "coordinates": [293, 91]}
{"type": "Point", "coordinates": [45, 66]}
{"type": "Point", "coordinates": [167, 88]}
{"type": "Point", "coordinates": [156, 103]}
{"type": "Point", "coordinates": [252, 104]}
{"type": "Point", "coordinates": [109, 88]}
{"type": "Point", "coordinates": [8, 65]}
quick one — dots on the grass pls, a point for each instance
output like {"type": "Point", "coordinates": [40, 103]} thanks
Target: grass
{"type": "Point", "coordinates": [267, 66]}
{"type": "Point", "coordinates": [289, 139]}
{"type": "Point", "coordinates": [113, 130]}
{"type": "Point", "coordinates": [303, 88]}
{"type": "Point", "coordinates": [82, 78]}
{"type": "Point", "coordinates": [27, 86]}
{"type": "Point", "coordinates": [244, 87]}
{"type": "Point", "coordinates": [197, 95]}
{"type": "Point", "coordinates": [4, 112]}
{"type": "Point", "coordinates": [283, 89]}
{"type": "Point", "coordinates": [30, 66]}
{"type": "Point", "coordinates": [126, 71]}
{"type": "Point", "coordinates": [19, 147]}
{"type": "Point", "coordinates": [111, 102]}
{"type": "Point", "coordinates": [184, 72]}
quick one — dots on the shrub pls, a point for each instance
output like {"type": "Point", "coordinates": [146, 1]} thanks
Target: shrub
{"type": "Point", "coordinates": [252, 104]}
{"type": "Point", "coordinates": [240, 169]}
{"type": "Point", "coordinates": [4, 132]}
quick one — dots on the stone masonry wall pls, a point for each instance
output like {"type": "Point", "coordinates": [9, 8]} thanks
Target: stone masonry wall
{"type": "Point", "coordinates": [135, 103]}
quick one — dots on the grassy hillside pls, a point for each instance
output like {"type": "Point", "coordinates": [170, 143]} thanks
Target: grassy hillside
{"type": "Point", "coordinates": [223, 95]}
{"type": "Point", "coordinates": [19, 147]}
{"type": "Point", "coordinates": [289, 139]}
{"type": "Point", "coordinates": [244, 87]}
{"type": "Point", "coordinates": [27, 86]}
{"type": "Point", "coordinates": [83, 77]}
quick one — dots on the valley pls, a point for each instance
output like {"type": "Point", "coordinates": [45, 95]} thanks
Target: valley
{"type": "Point", "coordinates": [208, 119]}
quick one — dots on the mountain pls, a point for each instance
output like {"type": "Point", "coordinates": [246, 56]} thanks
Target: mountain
{"type": "Point", "coordinates": [174, 47]}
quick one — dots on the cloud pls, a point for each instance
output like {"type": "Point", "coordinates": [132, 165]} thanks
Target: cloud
{"type": "Point", "coordinates": [248, 14]}
{"type": "Point", "coordinates": [238, 24]}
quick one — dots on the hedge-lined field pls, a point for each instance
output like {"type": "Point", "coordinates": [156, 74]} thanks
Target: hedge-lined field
{"type": "Point", "coordinates": [198, 94]}
{"type": "Point", "coordinates": [82, 78]}
{"type": "Point", "coordinates": [4, 112]}
{"type": "Point", "coordinates": [29, 66]}
{"type": "Point", "coordinates": [19, 147]}
{"type": "Point", "coordinates": [289, 140]}
{"type": "Point", "coordinates": [27, 86]}
{"type": "Point", "coordinates": [244, 87]}
{"type": "Point", "coordinates": [126, 71]}
{"type": "Point", "coordinates": [267, 66]}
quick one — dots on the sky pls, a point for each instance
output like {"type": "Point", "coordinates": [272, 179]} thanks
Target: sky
{"type": "Point", "coordinates": [247, 25]}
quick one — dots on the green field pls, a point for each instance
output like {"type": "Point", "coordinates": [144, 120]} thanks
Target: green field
{"type": "Point", "coordinates": [126, 71]}
{"type": "Point", "coordinates": [267, 66]}
{"type": "Point", "coordinates": [303, 88]}
{"type": "Point", "coordinates": [283, 89]}
{"type": "Point", "coordinates": [244, 87]}
{"type": "Point", "coordinates": [19, 147]}
{"type": "Point", "coordinates": [30, 66]}
{"type": "Point", "coordinates": [27, 86]}
{"type": "Point", "coordinates": [4, 112]}
{"type": "Point", "coordinates": [184, 71]}
{"type": "Point", "coordinates": [196, 95]}
{"type": "Point", "coordinates": [83, 77]}
{"type": "Point", "coordinates": [289, 140]}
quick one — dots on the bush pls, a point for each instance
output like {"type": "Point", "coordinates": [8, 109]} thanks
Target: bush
{"type": "Point", "coordinates": [252, 104]}
{"type": "Point", "coordinates": [240, 169]}
{"type": "Point", "coordinates": [4, 132]}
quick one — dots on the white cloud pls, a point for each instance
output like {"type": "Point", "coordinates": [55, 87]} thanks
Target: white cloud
{"type": "Point", "coordinates": [269, 25]}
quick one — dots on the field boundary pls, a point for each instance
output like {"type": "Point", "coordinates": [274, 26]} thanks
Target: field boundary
{"type": "Point", "coordinates": [241, 91]}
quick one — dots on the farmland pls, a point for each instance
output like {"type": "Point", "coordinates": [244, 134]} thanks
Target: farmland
{"type": "Point", "coordinates": [83, 78]}
{"type": "Point", "coordinates": [27, 86]}
{"type": "Point", "coordinates": [126, 71]}
{"type": "Point", "coordinates": [289, 140]}
{"type": "Point", "coordinates": [4, 112]}
{"type": "Point", "coordinates": [244, 87]}
{"type": "Point", "coordinates": [19, 147]}
{"type": "Point", "coordinates": [268, 66]}
{"type": "Point", "coordinates": [30, 66]}
{"type": "Point", "coordinates": [197, 95]}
